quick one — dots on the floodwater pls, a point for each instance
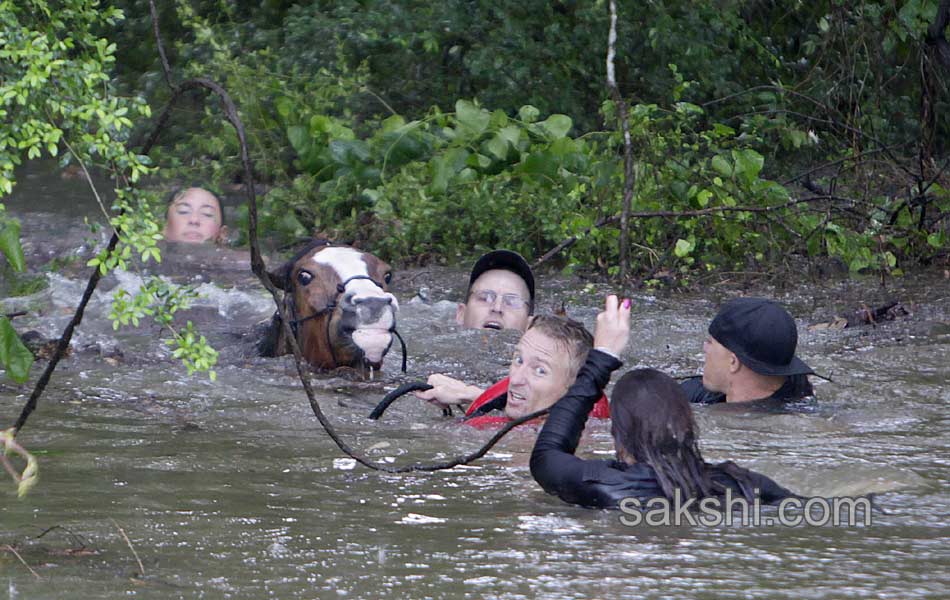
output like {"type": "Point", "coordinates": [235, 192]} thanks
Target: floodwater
{"type": "Point", "coordinates": [232, 490]}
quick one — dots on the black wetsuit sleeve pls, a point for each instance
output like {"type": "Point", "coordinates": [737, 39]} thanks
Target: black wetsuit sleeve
{"type": "Point", "coordinates": [697, 394]}
{"type": "Point", "coordinates": [553, 463]}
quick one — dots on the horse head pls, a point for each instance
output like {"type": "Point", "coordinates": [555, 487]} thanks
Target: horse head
{"type": "Point", "coordinates": [342, 312]}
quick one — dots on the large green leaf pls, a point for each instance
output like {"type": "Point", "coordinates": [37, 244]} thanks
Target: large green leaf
{"type": "Point", "coordinates": [472, 118]}
{"type": "Point", "coordinates": [555, 127]}
{"type": "Point", "coordinates": [748, 164]}
{"type": "Point", "coordinates": [10, 244]}
{"type": "Point", "coordinates": [498, 146]}
{"type": "Point", "coordinates": [539, 163]}
{"type": "Point", "coordinates": [14, 356]}
{"type": "Point", "coordinates": [299, 138]}
{"type": "Point", "coordinates": [349, 152]}
{"type": "Point", "coordinates": [721, 164]}
{"type": "Point", "coordinates": [445, 166]}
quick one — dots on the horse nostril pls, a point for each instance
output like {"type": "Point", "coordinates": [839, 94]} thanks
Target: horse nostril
{"type": "Point", "coordinates": [350, 299]}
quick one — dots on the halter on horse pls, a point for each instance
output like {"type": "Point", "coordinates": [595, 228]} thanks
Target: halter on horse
{"type": "Point", "coordinates": [348, 290]}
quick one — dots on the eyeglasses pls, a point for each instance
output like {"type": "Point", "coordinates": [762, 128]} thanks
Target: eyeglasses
{"type": "Point", "coordinates": [512, 301]}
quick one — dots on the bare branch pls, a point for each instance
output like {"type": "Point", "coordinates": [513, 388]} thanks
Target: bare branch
{"type": "Point", "coordinates": [10, 548]}
{"type": "Point", "coordinates": [628, 178]}
{"type": "Point", "coordinates": [129, 542]}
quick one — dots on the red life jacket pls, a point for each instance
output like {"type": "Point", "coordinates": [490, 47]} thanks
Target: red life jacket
{"type": "Point", "coordinates": [601, 409]}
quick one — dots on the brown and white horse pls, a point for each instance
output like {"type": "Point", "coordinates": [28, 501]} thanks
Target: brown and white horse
{"type": "Point", "coordinates": [343, 314]}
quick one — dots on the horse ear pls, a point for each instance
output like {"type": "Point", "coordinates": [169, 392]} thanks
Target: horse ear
{"type": "Point", "coordinates": [280, 276]}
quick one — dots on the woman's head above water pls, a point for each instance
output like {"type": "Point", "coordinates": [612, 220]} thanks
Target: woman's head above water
{"type": "Point", "coordinates": [652, 423]}
{"type": "Point", "coordinates": [194, 215]}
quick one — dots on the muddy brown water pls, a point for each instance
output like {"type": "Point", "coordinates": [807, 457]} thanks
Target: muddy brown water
{"type": "Point", "coordinates": [231, 489]}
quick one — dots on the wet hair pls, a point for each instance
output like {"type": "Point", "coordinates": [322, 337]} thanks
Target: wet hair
{"type": "Point", "coordinates": [176, 194]}
{"type": "Point", "coordinates": [566, 331]}
{"type": "Point", "coordinates": [651, 419]}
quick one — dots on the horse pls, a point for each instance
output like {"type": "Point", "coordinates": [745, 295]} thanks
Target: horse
{"type": "Point", "coordinates": [341, 311]}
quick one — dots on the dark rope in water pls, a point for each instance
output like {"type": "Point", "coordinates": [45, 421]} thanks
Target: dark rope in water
{"type": "Point", "coordinates": [400, 391]}
{"type": "Point", "coordinates": [404, 352]}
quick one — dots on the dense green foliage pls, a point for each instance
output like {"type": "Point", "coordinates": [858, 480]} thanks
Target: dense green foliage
{"type": "Point", "coordinates": [435, 130]}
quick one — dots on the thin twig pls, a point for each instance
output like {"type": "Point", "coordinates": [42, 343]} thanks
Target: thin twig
{"type": "Point", "coordinates": [17, 554]}
{"type": "Point", "coordinates": [831, 164]}
{"type": "Point", "coordinates": [95, 192]}
{"type": "Point", "coordinates": [366, 89]}
{"type": "Point", "coordinates": [166, 69]}
{"type": "Point", "coordinates": [132, 548]}
{"type": "Point", "coordinates": [627, 144]}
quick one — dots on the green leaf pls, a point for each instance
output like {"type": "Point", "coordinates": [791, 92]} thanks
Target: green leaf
{"type": "Point", "coordinates": [284, 106]}
{"type": "Point", "coordinates": [512, 134]}
{"type": "Point", "coordinates": [445, 167]}
{"type": "Point", "coordinates": [539, 163]}
{"type": "Point", "coordinates": [556, 126]}
{"type": "Point", "coordinates": [14, 356]}
{"type": "Point", "coordinates": [703, 198]}
{"type": "Point", "coordinates": [478, 160]}
{"type": "Point", "coordinates": [935, 240]}
{"type": "Point", "coordinates": [498, 147]}
{"type": "Point", "coordinates": [748, 164]}
{"type": "Point", "coordinates": [683, 248]}
{"type": "Point", "coordinates": [723, 130]}
{"type": "Point", "coordinates": [528, 113]}
{"type": "Point", "coordinates": [721, 164]}
{"type": "Point", "coordinates": [10, 244]}
{"type": "Point", "coordinates": [299, 138]}
{"type": "Point", "coordinates": [472, 118]}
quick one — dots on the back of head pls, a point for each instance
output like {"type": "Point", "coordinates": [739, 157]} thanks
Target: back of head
{"type": "Point", "coordinates": [652, 421]}
{"type": "Point", "coordinates": [761, 334]}
{"type": "Point", "coordinates": [568, 332]}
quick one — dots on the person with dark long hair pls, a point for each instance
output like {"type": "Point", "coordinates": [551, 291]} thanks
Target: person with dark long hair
{"type": "Point", "coordinates": [655, 436]}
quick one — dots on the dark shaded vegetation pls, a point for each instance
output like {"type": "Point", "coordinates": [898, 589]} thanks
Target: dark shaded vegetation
{"type": "Point", "coordinates": [432, 131]}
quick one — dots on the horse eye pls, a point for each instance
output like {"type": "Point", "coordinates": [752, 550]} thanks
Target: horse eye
{"type": "Point", "coordinates": [388, 277]}
{"type": "Point", "coordinates": [304, 277]}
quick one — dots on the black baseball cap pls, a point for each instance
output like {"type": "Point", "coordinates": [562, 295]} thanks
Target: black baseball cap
{"type": "Point", "coordinates": [761, 333]}
{"type": "Point", "coordinates": [508, 261]}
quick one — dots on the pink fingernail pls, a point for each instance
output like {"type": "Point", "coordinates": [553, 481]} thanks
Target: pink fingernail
{"type": "Point", "coordinates": [626, 303]}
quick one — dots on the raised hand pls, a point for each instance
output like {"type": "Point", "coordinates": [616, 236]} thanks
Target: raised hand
{"type": "Point", "coordinates": [613, 325]}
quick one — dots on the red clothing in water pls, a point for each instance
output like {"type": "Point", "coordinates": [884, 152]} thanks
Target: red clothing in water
{"type": "Point", "coordinates": [497, 394]}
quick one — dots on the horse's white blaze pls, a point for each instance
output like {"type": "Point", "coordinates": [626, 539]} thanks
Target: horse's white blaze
{"type": "Point", "coordinates": [373, 337]}
{"type": "Point", "coordinates": [348, 263]}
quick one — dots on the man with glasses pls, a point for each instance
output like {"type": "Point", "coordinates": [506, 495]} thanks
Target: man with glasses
{"type": "Point", "coordinates": [500, 293]}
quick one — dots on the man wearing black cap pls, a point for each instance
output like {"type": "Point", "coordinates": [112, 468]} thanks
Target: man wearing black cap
{"type": "Point", "coordinates": [500, 293]}
{"type": "Point", "coordinates": [750, 355]}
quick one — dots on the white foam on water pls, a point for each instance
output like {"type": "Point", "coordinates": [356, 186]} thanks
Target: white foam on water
{"type": "Point", "coordinates": [417, 519]}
